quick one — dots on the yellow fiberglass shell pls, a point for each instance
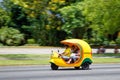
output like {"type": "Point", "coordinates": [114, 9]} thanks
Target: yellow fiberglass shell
{"type": "Point", "coordinates": [86, 53]}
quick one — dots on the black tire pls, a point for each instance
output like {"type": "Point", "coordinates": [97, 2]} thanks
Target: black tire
{"type": "Point", "coordinates": [54, 67]}
{"type": "Point", "coordinates": [77, 67]}
{"type": "Point", "coordinates": [85, 66]}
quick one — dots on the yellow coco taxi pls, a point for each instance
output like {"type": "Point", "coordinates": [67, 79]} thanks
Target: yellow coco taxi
{"type": "Point", "coordinates": [84, 60]}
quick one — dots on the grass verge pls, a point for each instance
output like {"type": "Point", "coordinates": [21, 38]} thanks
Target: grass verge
{"type": "Point", "coordinates": [106, 60]}
{"type": "Point", "coordinates": [43, 59]}
{"type": "Point", "coordinates": [24, 59]}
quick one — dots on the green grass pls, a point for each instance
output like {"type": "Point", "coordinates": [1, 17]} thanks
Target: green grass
{"type": "Point", "coordinates": [24, 59]}
{"type": "Point", "coordinates": [106, 60]}
{"type": "Point", "coordinates": [23, 62]}
{"type": "Point", "coordinates": [23, 56]}
{"type": "Point", "coordinates": [43, 59]}
{"type": "Point", "coordinates": [107, 55]}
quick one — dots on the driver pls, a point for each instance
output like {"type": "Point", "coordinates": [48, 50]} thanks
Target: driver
{"type": "Point", "coordinates": [66, 54]}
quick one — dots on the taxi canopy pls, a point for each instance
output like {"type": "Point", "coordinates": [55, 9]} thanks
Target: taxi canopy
{"type": "Point", "coordinates": [81, 44]}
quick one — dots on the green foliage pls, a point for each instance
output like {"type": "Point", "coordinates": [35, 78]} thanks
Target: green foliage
{"type": "Point", "coordinates": [112, 42]}
{"type": "Point", "coordinates": [118, 40]}
{"type": "Point", "coordinates": [74, 21]}
{"type": "Point", "coordinates": [11, 36]}
{"type": "Point", "coordinates": [1, 44]}
{"type": "Point", "coordinates": [4, 18]}
{"type": "Point", "coordinates": [103, 15]}
{"type": "Point", "coordinates": [49, 21]}
{"type": "Point", "coordinates": [30, 41]}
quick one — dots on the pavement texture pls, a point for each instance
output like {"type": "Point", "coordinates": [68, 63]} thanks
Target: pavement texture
{"type": "Point", "coordinates": [96, 72]}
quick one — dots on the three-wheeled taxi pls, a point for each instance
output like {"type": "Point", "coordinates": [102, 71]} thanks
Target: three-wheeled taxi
{"type": "Point", "coordinates": [84, 60]}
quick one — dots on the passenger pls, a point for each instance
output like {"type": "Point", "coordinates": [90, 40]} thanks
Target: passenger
{"type": "Point", "coordinates": [66, 54]}
{"type": "Point", "coordinates": [101, 50]}
{"type": "Point", "coordinates": [75, 54]}
{"type": "Point", "coordinates": [116, 50]}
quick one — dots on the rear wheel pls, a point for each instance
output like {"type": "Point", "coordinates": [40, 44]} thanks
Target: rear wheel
{"type": "Point", "coordinates": [85, 66]}
{"type": "Point", "coordinates": [53, 66]}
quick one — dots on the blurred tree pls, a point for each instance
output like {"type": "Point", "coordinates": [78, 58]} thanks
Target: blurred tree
{"type": "Point", "coordinates": [4, 18]}
{"type": "Point", "coordinates": [74, 21]}
{"type": "Point", "coordinates": [39, 15]}
{"type": "Point", "coordinates": [45, 18]}
{"type": "Point", "coordinates": [104, 16]}
{"type": "Point", "coordinates": [18, 18]}
{"type": "Point", "coordinates": [11, 36]}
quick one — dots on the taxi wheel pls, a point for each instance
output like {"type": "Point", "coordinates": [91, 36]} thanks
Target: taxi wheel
{"type": "Point", "coordinates": [85, 66]}
{"type": "Point", "coordinates": [53, 66]}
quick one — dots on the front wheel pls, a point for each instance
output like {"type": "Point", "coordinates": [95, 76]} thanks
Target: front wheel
{"type": "Point", "coordinates": [53, 66]}
{"type": "Point", "coordinates": [77, 67]}
{"type": "Point", "coordinates": [85, 66]}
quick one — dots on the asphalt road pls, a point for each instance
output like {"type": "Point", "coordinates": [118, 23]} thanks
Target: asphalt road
{"type": "Point", "coordinates": [43, 50]}
{"type": "Point", "coordinates": [97, 72]}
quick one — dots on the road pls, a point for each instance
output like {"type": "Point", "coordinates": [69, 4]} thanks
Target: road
{"type": "Point", "coordinates": [22, 50]}
{"type": "Point", "coordinates": [43, 50]}
{"type": "Point", "coordinates": [43, 72]}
